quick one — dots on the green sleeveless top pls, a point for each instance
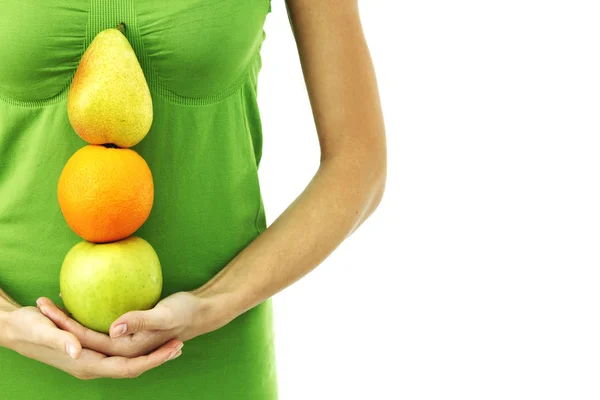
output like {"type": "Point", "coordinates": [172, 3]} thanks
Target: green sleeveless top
{"type": "Point", "coordinates": [201, 59]}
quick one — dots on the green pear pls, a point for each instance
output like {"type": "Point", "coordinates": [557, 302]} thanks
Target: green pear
{"type": "Point", "coordinates": [101, 282]}
{"type": "Point", "coordinates": [109, 100]}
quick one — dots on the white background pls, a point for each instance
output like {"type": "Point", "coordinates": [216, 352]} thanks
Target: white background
{"type": "Point", "coordinates": [478, 276]}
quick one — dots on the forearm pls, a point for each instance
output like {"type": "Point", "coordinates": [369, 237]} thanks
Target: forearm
{"type": "Point", "coordinates": [343, 193]}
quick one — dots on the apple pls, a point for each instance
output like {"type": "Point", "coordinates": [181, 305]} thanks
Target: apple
{"type": "Point", "coordinates": [101, 282]}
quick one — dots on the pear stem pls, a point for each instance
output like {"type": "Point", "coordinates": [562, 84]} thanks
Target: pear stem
{"type": "Point", "coordinates": [121, 27]}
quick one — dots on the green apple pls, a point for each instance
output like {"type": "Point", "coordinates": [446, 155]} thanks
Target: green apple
{"type": "Point", "coordinates": [101, 282]}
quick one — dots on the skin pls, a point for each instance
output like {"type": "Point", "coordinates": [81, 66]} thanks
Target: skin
{"type": "Point", "coordinates": [344, 192]}
{"type": "Point", "coordinates": [27, 331]}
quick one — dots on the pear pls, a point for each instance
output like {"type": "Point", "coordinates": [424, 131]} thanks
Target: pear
{"type": "Point", "coordinates": [109, 100]}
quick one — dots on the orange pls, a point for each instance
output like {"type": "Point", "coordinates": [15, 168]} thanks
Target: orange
{"type": "Point", "coordinates": [105, 194]}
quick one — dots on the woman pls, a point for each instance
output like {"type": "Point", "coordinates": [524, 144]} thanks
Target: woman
{"type": "Point", "coordinates": [220, 262]}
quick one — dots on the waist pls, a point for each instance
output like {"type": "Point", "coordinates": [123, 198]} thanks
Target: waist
{"type": "Point", "coordinates": [190, 252]}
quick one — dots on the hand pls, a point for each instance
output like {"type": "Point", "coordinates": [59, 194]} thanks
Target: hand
{"type": "Point", "coordinates": [181, 316]}
{"type": "Point", "coordinates": [33, 335]}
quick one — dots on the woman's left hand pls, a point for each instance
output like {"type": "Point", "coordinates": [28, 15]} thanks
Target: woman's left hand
{"type": "Point", "coordinates": [180, 316]}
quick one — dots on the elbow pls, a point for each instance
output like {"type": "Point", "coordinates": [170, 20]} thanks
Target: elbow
{"type": "Point", "coordinates": [380, 189]}
{"type": "Point", "coordinates": [362, 171]}
{"type": "Point", "coordinates": [372, 189]}
{"type": "Point", "coordinates": [370, 177]}
{"type": "Point", "coordinates": [378, 185]}
{"type": "Point", "coordinates": [375, 165]}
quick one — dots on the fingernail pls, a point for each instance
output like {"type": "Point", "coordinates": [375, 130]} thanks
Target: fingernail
{"type": "Point", "coordinates": [70, 350]}
{"type": "Point", "coordinates": [44, 311]}
{"type": "Point", "coordinates": [119, 330]}
{"type": "Point", "coordinates": [174, 355]}
{"type": "Point", "coordinates": [37, 302]}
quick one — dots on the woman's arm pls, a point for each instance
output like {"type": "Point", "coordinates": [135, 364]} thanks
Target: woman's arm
{"type": "Point", "coordinates": [346, 189]}
{"type": "Point", "coordinates": [350, 181]}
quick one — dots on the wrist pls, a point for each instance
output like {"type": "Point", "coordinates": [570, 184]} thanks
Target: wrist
{"type": "Point", "coordinates": [6, 312]}
{"type": "Point", "coordinates": [214, 310]}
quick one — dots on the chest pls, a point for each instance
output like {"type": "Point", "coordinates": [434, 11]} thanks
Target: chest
{"type": "Point", "coordinates": [194, 48]}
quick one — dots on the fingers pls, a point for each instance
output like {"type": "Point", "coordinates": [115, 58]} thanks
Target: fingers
{"type": "Point", "coordinates": [122, 367]}
{"type": "Point", "coordinates": [127, 346]}
{"type": "Point", "coordinates": [46, 300]}
{"type": "Point", "coordinates": [58, 340]}
{"type": "Point", "coordinates": [159, 318]}
{"type": "Point", "coordinates": [88, 338]}
{"type": "Point", "coordinates": [57, 315]}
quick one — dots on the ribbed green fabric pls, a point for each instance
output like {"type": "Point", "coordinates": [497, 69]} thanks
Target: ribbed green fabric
{"type": "Point", "coordinates": [201, 60]}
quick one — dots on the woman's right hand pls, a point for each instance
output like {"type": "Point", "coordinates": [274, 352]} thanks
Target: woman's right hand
{"type": "Point", "coordinates": [27, 331]}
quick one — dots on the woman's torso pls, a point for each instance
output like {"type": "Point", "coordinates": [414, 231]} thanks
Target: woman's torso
{"type": "Point", "coordinates": [201, 60]}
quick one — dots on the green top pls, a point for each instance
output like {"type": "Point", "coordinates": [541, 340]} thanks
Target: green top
{"type": "Point", "coordinates": [201, 60]}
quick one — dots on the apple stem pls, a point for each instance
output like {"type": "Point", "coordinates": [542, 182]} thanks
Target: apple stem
{"type": "Point", "coordinates": [121, 27]}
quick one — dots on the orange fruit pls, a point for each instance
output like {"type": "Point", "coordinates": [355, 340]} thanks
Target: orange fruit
{"type": "Point", "coordinates": [105, 194]}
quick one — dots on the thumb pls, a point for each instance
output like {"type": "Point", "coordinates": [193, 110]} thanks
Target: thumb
{"type": "Point", "coordinates": [59, 340]}
{"type": "Point", "coordinates": [159, 318]}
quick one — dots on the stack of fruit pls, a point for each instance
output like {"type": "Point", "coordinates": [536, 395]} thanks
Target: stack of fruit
{"type": "Point", "coordinates": [105, 190]}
